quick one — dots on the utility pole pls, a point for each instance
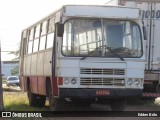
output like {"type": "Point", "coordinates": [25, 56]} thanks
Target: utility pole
{"type": "Point", "coordinates": [1, 90]}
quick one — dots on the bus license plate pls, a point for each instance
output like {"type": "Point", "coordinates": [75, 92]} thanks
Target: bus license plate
{"type": "Point", "coordinates": [102, 92]}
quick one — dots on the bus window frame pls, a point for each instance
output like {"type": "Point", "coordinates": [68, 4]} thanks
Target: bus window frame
{"type": "Point", "coordinates": [30, 40]}
{"type": "Point", "coordinates": [50, 32]}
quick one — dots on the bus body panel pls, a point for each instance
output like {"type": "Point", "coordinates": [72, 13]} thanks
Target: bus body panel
{"type": "Point", "coordinates": [99, 72]}
{"type": "Point", "coordinates": [33, 65]}
{"type": "Point", "coordinates": [40, 65]}
{"type": "Point", "coordinates": [27, 66]}
{"type": "Point", "coordinates": [47, 63]}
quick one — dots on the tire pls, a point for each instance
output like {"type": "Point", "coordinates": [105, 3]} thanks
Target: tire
{"type": "Point", "coordinates": [118, 104]}
{"type": "Point", "coordinates": [36, 100]}
{"type": "Point", "coordinates": [55, 104]}
{"type": "Point", "coordinates": [41, 100]}
{"type": "Point", "coordinates": [32, 98]}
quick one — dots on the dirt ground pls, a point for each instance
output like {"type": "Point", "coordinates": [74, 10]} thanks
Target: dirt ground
{"type": "Point", "coordinates": [149, 106]}
{"type": "Point", "coordinates": [142, 105]}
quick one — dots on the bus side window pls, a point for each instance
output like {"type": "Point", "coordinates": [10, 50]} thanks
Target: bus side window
{"type": "Point", "coordinates": [36, 38]}
{"type": "Point", "coordinates": [44, 28]}
{"type": "Point", "coordinates": [50, 33]}
{"type": "Point", "coordinates": [31, 33]}
{"type": "Point", "coordinates": [37, 31]}
{"type": "Point", "coordinates": [35, 46]}
{"type": "Point", "coordinates": [30, 41]}
{"type": "Point", "coordinates": [43, 36]}
{"type": "Point", "coordinates": [30, 46]}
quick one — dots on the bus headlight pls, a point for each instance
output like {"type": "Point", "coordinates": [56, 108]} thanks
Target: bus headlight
{"type": "Point", "coordinates": [137, 82]}
{"type": "Point", "coordinates": [130, 81]}
{"type": "Point", "coordinates": [73, 81]}
{"type": "Point", "coordinates": [66, 81]}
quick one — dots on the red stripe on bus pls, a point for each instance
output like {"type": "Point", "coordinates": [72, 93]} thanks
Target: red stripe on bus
{"type": "Point", "coordinates": [55, 86]}
{"type": "Point", "coordinates": [41, 83]}
{"type": "Point", "coordinates": [34, 84]}
{"type": "Point", "coordinates": [60, 81]}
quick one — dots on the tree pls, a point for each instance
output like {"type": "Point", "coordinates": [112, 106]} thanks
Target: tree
{"type": "Point", "coordinates": [15, 70]}
{"type": "Point", "coordinates": [16, 53]}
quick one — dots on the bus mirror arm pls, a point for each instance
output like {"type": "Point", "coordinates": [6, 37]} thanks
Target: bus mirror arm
{"type": "Point", "coordinates": [60, 29]}
{"type": "Point", "coordinates": [144, 32]}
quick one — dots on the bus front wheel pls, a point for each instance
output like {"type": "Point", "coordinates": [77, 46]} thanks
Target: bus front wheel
{"type": "Point", "coordinates": [36, 100]}
{"type": "Point", "coordinates": [54, 103]}
{"type": "Point", "coordinates": [118, 104]}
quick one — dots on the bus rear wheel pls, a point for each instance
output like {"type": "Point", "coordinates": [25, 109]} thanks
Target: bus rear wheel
{"type": "Point", "coordinates": [36, 100]}
{"type": "Point", "coordinates": [31, 97]}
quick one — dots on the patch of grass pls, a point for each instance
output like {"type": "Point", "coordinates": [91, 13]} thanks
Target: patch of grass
{"type": "Point", "coordinates": [18, 101]}
{"type": "Point", "coordinates": [4, 81]}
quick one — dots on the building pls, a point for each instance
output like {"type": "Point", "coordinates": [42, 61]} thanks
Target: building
{"type": "Point", "coordinates": [7, 67]}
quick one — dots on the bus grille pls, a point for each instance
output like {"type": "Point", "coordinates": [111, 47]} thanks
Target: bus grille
{"type": "Point", "coordinates": [103, 71]}
{"type": "Point", "coordinates": [103, 81]}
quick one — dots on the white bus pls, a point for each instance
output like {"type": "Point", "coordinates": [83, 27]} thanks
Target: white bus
{"type": "Point", "coordinates": [84, 53]}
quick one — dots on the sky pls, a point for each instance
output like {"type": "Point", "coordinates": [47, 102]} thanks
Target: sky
{"type": "Point", "coordinates": [16, 15]}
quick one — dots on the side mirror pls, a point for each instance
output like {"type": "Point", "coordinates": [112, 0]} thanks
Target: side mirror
{"type": "Point", "coordinates": [60, 29]}
{"type": "Point", "coordinates": [144, 32]}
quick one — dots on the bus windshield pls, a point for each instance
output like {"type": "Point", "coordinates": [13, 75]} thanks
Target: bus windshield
{"type": "Point", "coordinates": [101, 38]}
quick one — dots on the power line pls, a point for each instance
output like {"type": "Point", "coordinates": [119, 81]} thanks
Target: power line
{"type": "Point", "coordinates": [7, 51]}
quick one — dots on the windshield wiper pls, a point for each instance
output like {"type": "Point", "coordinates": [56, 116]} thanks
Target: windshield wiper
{"type": "Point", "coordinates": [83, 57]}
{"type": "Point", "coordinates": [92, 52]}
{"type": "Point", "coordinates": [120, 57]}
{"type": "Point", "coordinates": [115, 54]}
{"type": "Point", "coordinates": [109, 49]}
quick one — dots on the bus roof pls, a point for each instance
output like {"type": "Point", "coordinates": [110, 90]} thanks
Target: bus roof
{"type": "Point", "coordinates": [96, 11]}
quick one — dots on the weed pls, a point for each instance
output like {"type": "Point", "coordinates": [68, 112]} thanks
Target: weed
{"type": "Point", "coordinates": [18, 101]}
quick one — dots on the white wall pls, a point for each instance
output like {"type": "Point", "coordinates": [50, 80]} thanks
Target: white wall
{"type": "Point", "coordinates": [7, 67]}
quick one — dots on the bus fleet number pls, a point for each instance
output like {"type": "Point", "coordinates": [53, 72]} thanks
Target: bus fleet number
{"type": "Point", "coordinates": [151, 14]}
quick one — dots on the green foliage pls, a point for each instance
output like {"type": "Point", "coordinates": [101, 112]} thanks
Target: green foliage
{"type": "Point", "coordinates": [16, 53]}
{"type": "Point", "coordinates": [15, 71]}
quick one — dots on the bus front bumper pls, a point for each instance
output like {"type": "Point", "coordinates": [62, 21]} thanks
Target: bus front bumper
{"type": "Point", "coordinates": [98, 93]}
